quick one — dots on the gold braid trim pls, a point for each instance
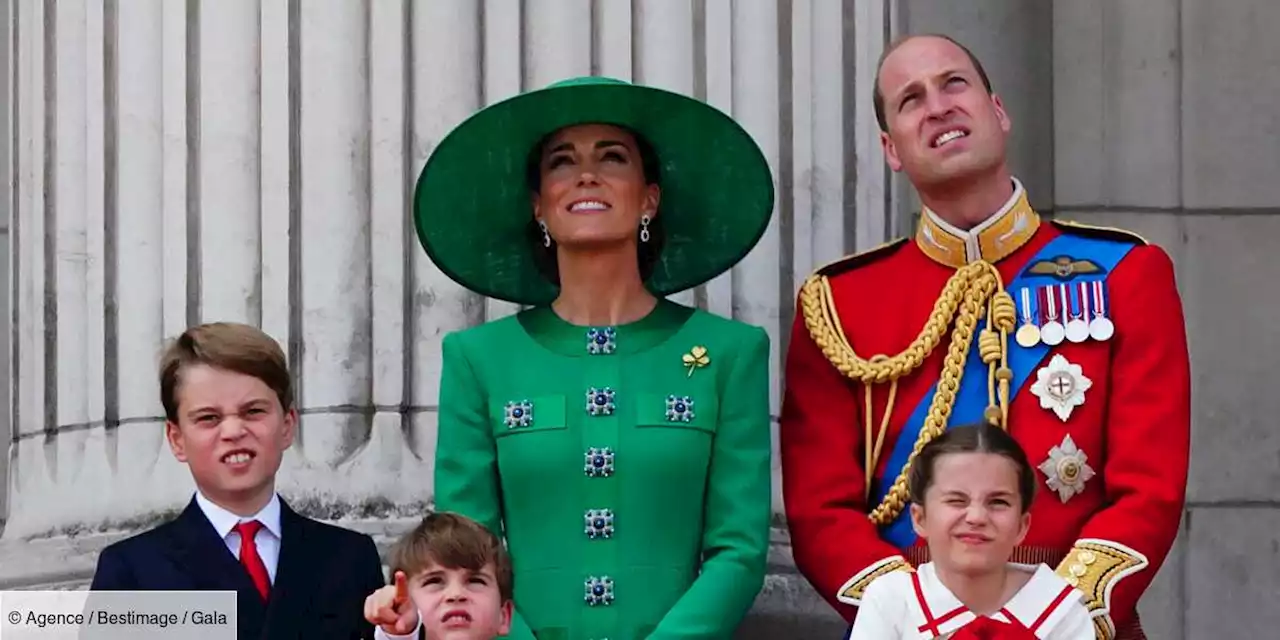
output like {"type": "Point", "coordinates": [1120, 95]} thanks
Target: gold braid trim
{"type": "Point", "coordinates": [974, 291]}
{"type": "Point", "coordinates": [853, 590]}
{"type": "Point", "coordinates": [1102, 629]}
{"type": "Point", "coordinates": [1094, 567]}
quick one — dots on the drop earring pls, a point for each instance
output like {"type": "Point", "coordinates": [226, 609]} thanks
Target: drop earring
{"type": "Point", "coordinates": [546, 237]}
{"type": "Point", "coordinates": [644, 228]}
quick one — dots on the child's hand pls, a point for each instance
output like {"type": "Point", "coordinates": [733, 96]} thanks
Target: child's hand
{"type": "Point", "coordinates": [391, 609]}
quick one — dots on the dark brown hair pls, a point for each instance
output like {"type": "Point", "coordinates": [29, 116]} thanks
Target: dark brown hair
{"type": "Point", "coordinates": [224, 345]}
{"type": "Point", "coordinates": [877, 97]}
{"type": "Point", "coordinates": [979, 437]}
{"type": "Point", "coordinates": [453, 541]}
{"type": "Point", "coordinates": [544, 257]}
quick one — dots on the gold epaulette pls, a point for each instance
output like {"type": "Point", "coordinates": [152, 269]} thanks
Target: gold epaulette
{"type": "Point", "coordinates": [1093, 231]}
{"type": "Point", "coordinates": [1094, 567]}
{"type": "Point", "coordinates": [853, 590]}
{"type": "Point", "coordinates": [852, 261]}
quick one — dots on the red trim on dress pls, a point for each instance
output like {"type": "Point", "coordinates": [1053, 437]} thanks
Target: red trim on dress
{"type": "Point", "coordinates": [1062, 595]}
{"type": "Point", "coordinates": [932, 625]}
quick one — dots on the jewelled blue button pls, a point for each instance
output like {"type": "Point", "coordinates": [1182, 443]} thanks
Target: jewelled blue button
{"type": "Point", "coordinates": [599, 523]}
{"type": "Point", "coordinates": [598, 462]}
{"type": "Point", "coordinates": [600, 401]}
{"type": "Point", "coordinates": [679, 408]}
{"type": "Point", "coordinates": [518, 414]}
{"type": "Point", "coordinates": [598, 591]}
{"type": "Point", "coordinates": [601, 341]}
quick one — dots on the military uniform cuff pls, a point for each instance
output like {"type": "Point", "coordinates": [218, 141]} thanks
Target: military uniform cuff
{"type": "Point", "coordinates": [1095, 566]}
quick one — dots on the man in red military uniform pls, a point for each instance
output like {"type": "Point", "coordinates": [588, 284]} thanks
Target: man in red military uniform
{"type": "Point", "coordinates": [1071, 337]}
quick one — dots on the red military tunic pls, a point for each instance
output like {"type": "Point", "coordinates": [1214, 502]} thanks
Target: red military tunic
{"type": "Point", "coordinates": [1105, 420]}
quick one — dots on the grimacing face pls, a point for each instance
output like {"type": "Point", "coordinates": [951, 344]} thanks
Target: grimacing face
{"type": "Point", "coordinates": [943, 126]}
{"type": "Point", "coordinates": [972, 516]}
{"type": "Point", "coordinates": [231, 432]}
{"type": "Point", "coordinates": [593, 190]}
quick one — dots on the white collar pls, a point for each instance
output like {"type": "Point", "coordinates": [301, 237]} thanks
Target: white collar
{"type": "Point", "coordinates": [1039, 595]}
{"type": "Point", "coordinates": [224, 521]}
{"type": "Point", "coordinates": [1042, 595]}
{"type": "Point", "coordinates": [943, 605]}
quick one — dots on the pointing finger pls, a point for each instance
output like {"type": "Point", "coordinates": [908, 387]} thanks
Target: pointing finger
{"type": "Point", "coordinates": [402, 589]}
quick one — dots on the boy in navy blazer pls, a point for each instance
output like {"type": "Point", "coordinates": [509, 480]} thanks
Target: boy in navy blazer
{"type": "Point", "coordinates": [230, 415]}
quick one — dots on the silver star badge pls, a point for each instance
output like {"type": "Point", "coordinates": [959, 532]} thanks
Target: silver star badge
{"type": "Point", "coordinates": [1060, 386]}
{"type": "Point", "coordinates": [1067, 469]}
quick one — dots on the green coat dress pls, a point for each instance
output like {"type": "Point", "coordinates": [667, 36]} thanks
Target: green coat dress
{"type": "Point", "coordinates": [633, 488]}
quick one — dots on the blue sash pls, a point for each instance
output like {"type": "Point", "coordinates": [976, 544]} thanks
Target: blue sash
{"type": "Point", "coordinates": [971, 399]}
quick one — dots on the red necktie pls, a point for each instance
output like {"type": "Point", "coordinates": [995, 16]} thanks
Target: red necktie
{"type": "Point", "coordinates": [250, 559]}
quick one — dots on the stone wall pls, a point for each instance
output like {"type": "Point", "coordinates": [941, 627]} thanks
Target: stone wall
{"type": "Point", "coordinates": [182, 162]}
{"type": "Point", "coordinates": [253, 160]}
{"type": "Point", "coordinates": [1157, 116]}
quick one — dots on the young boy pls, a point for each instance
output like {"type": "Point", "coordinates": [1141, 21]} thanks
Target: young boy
{"type": "Point", "coordinates": [454, 575]}
{"type": "Point", "coordinates": [230, 415]}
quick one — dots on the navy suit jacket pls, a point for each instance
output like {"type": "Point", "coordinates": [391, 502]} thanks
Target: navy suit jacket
{"type": "Point", "coordinates": [322, 579]}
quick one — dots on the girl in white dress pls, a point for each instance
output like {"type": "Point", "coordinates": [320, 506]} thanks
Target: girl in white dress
{"type": "Point", "coordinates": [971, 491]}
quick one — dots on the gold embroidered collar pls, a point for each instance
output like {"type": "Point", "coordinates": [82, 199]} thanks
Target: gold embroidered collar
{"type": "Point", "coordinates": [993, 240]}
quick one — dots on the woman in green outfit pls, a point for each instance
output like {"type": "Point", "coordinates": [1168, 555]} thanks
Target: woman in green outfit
{"type": "Point", "coordinates": [619, 441]}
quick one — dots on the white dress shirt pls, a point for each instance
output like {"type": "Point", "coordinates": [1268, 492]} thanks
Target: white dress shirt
{"type": "Point", "coordinates": [267, 539]}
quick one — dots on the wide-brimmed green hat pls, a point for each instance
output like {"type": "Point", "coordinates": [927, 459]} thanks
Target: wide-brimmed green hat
{"type": "Point", "coordinates": [472, 206]}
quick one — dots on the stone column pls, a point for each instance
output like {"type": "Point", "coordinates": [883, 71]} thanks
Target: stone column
{"type": "Point", "coordinates": [7, 202]}
{"type": "Point", "coordinates": [219, 162]}
{"type": "Point", "coordinates": [253, 160]}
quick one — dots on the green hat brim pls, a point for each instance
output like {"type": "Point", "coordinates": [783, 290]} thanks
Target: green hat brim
{"type": "Point", "coordinates": [472, 203]}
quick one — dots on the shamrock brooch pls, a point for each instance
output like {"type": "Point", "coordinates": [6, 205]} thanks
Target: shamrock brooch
{"type": "Point", "coordinates": [696, 358]}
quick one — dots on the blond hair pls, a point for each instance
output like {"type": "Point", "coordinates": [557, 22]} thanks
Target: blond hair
{"type": "Point", "coordinates": [224, 345]}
